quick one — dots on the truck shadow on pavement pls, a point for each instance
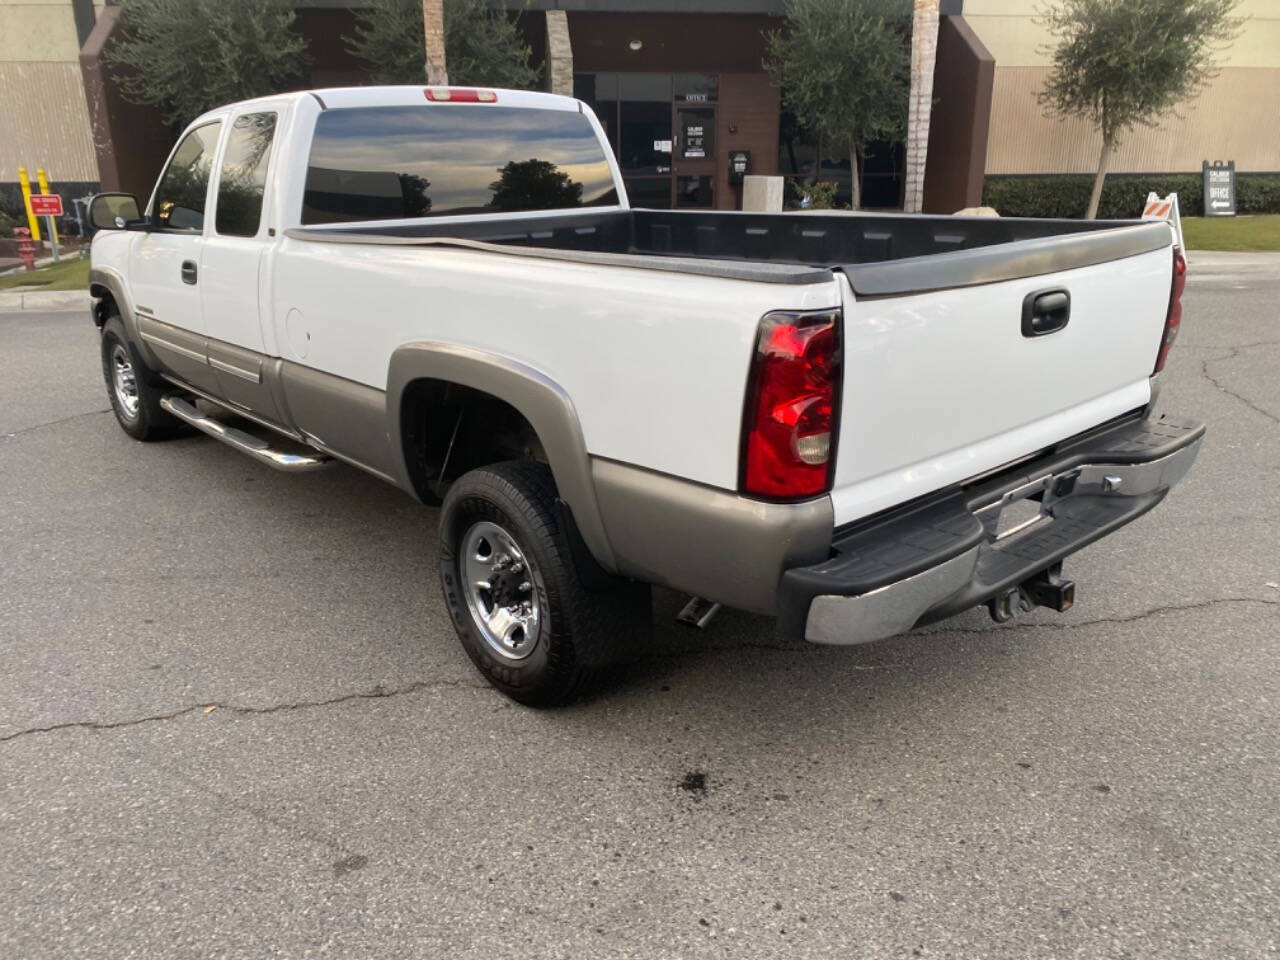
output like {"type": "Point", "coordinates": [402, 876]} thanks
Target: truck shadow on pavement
{"type": "Point", "coordinates": [366, 530]}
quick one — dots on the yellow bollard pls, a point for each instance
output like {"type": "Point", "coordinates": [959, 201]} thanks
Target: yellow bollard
{"type": "Point", "coordinates": [32, 220]}
{"type": "Point", "coordinates": [44, 188]}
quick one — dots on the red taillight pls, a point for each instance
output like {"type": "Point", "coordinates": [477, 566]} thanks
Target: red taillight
{"type": "Point", "coordinates": [789, 431]}
{"type": "Point", "coordinates": [459, 95]}
{"type": "Point", "coordinates": [1173, 319]}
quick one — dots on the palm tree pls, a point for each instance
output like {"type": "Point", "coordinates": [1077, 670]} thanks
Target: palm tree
{"type": "Point", "coordinates": [433, 37]}
{"type": "Point", "coordinates": [924, 50]}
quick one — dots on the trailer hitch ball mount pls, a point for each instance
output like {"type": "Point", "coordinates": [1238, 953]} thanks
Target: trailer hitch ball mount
{"type": "Point", "coordinates": [1046, 589]}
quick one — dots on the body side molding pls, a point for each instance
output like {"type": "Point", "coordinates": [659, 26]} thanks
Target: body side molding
{"type": "Point", "coordinates": [538, 398]}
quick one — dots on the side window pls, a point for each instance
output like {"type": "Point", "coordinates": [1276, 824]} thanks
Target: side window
{"type": "Point", "coordinates": [243, 177]}
{"type": "Point", "coordinates": [180, 197]}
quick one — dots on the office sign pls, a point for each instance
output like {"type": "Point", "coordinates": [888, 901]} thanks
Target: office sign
{"type": "Point", "coordinates": [1219, 188]}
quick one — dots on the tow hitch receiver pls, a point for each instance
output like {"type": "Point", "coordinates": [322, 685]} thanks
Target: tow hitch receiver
{"type": "Point", "coordinates": [1046, 589]}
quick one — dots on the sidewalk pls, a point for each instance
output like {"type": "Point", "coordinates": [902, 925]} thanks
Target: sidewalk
{"type": "Point", "coordinates": [13, 300]}
{"type": "Point", "coordinates": [1219, 259]}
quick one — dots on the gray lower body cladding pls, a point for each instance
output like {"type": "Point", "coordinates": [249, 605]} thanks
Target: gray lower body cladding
{"type": "Point", "coordinates": [706, 541]}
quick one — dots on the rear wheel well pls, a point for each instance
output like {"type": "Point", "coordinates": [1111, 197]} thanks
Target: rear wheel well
{"type": "Point", "coordinates": [448, 429]}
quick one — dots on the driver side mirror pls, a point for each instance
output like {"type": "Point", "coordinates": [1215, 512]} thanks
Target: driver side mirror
{"type": "Point", "coordinates": [114, 211]}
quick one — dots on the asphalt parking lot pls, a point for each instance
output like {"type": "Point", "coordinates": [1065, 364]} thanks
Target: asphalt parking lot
{"type": "Point", "coordinates": [235, 722]}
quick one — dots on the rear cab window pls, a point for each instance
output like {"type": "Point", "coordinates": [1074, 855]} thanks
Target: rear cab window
{"type": "Point", "coordinates": [242, 177]}
{"type": "Point", "coordinates": [396, 162]}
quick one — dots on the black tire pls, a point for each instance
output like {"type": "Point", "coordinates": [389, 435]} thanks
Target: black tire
{"type": "Point", "coordinates": [147, 420]}
{"type": "Point", "coordinates": [582, 634]}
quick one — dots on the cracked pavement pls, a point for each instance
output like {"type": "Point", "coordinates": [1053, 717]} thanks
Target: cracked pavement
{"type": "Point", "coordinates": [234, 721]}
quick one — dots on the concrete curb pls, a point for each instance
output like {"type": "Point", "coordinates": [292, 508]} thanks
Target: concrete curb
{"type": "Point", "coordinates": [45, 300]}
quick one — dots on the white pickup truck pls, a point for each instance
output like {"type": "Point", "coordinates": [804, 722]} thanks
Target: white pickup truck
{"type": "Point", "coordinates": [853, 423]}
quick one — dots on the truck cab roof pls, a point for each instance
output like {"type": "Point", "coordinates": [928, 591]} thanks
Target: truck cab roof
{"type": "Point", "coordinates": [405, 95]}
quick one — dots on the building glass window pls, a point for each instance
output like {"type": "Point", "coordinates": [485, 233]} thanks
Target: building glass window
{"type": "Point", "coordinates": [697, 132]}
{"type": "Point", "coordinates": [644, 145]}
{"type": "Point", "coordinates": [697, 87]}
{"type": "Point", "coordinates": [652, 192]}
{"type": "Point", "coordinates": [183, 189]}
{"type": "Point", "coordinates": [599, 91]}
{"type": "Point", "coordinates": [882, 170]}
{"type": "Point", "coordinates": [693, 191]}
{"type": "Point", "coordinates": [242, 180]}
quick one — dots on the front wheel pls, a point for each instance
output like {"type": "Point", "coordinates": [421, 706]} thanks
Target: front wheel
{"type": "Point", "coordinates": [517, 604]}
{"type": "Point", "coordinates": [133, 389]}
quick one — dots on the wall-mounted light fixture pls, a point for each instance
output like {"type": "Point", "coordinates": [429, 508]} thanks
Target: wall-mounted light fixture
{"type": "Point", "coordinates": [635, 45]}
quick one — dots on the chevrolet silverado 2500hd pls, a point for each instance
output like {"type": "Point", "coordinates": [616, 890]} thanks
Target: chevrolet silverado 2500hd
{"type": "Point", "coordinates": [852, 423]}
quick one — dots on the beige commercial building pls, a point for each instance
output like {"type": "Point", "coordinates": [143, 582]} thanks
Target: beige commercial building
{"type": "Point", "coordinates": [1237, 117]}
{"type": "Point", "coordinates": [44, 116]}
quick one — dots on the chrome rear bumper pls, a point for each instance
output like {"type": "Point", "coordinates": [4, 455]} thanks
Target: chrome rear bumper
{"type": "Point", "coordinates": [944, 557]}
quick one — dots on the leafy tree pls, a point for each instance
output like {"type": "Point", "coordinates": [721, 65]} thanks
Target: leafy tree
{"type": "Point", "coordinates": [845, 69]}
{"type": "Point", "coordinates": [413, 189]}
{"type": "Point", "coordinates": [1121, 63]}
{"type": "Point", "coordinates": [187, 56]}
{"type": "Point", "coordinates": [534, 185]}
{"type": "Point", "coordinates": [483, 46]}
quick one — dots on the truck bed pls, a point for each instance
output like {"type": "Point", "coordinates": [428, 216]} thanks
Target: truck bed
{"type": "Point", "coordinates": [881, 254]}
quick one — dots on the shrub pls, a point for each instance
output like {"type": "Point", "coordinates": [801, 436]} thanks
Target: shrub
{"type": "Point", "coordinates": [821, 194]}
{"type": "Point", "coordinates": [1258, 193]}
{"type": "Point", "coordinates": [11, 214]}
{"type": "Point", "coordinates": [483, 47]}
{"type": "Point", "coordinates": [187, 56]}
{"type": "Point", "coordinates": [1123, 196]}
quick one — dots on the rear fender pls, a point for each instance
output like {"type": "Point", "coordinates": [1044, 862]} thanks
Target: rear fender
{"type": "Point", "coordinates": [539, 399]}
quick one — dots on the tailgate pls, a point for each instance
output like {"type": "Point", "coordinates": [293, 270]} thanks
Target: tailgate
{"type": "Point", "coordinates": [941, 386]}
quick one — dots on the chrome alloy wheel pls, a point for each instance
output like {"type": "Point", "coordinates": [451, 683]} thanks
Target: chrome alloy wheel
{"type": "Point", "coordinates": [500, 584]}
{"type": "Point", "coordinates": [124, 381]}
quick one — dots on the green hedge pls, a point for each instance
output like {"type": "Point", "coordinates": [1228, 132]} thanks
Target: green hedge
{"type": "Point", "coordinates": [1123, 194]}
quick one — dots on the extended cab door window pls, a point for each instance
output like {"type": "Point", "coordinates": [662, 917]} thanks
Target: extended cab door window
{"type": "Point", "coordinates": [232, 259]}
{"type": "Point", "coordinates": [242, 177]}
{"type": "Point", "coordinates": [183, 190]}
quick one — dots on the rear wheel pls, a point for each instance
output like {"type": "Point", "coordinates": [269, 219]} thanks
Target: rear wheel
{"type": "Point", "coordinates": [517, 604]}
{"type": "Point", "coordinates": [134, 389]}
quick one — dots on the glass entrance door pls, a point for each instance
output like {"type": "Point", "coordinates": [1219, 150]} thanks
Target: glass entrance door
{"type": "Point", "coordinates": [662, 129]}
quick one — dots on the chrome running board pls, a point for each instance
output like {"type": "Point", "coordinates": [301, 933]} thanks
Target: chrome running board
{"type": "Point", "coordinates": [246, 443]}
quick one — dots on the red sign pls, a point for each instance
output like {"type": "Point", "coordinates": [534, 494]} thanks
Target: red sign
{"type": "Point", "coordinates": [46, 205]}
